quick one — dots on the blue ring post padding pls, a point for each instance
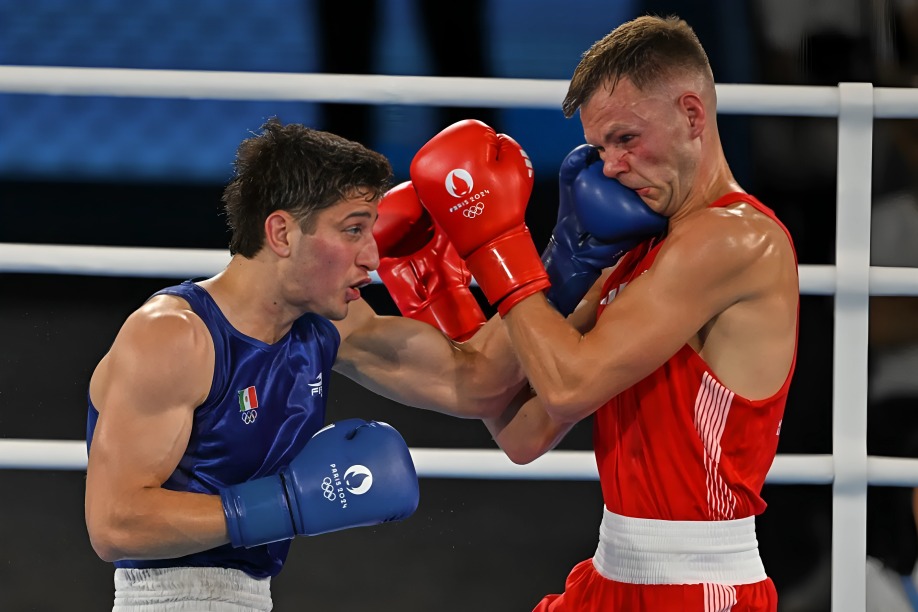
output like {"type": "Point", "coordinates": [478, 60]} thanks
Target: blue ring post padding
{"type": "Point", "coordinates": [910, 591]}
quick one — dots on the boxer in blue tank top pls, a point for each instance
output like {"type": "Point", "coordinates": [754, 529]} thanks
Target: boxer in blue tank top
{"type": "Point", "coordinates": [208, 448]}
{"type": "Point", "coordinates": [265, 402]}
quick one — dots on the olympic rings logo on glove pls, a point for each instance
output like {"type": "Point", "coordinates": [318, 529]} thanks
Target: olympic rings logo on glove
{"type": "Point", "coordinates": [328, 489]}
{"type": "Point", "coordinates": [473, 211]}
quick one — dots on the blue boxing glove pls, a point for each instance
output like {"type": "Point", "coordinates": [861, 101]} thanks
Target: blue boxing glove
{"type": "Point", "coordinates": [599, 220]}
{"type": "Point", "coordinates": [352, 473]}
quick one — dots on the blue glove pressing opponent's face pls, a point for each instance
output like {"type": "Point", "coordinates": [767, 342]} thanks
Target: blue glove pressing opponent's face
{"type": "Point", "coordinates": [599, 220]}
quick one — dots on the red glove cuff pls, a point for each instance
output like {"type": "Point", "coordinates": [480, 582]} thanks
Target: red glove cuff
{"type": "Point", "coordinates": [523, 292]}
{"type": "Point", "coordinates": [508, 266]}
{"type": "Point", "coordinates": [455, 312]}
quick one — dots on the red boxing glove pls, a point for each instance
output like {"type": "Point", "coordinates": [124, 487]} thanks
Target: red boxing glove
{"type": "Point", "coordinates": [424, 274]}
{"type": "Point", "coordinates": [476, 184]}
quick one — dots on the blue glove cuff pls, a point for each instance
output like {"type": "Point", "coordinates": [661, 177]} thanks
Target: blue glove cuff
{"type": "Point", "coordinates": [257, 512]}
{"type": "Point", "coordinates": [572, 273]}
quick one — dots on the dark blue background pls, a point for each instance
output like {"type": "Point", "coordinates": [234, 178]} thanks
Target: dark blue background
{"type": "Point", "coordinates": [137, 139]}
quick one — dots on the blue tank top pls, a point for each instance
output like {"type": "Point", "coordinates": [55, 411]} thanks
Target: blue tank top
{"type": "Point", "coordinates": [266, 401]}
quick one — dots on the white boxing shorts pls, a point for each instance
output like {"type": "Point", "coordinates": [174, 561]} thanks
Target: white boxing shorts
{"type": "Point", "coordinates": [187, 589]}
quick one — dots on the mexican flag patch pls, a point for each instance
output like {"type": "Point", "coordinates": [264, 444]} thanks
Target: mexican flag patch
{"type": "Point", "coordinates": [247, 399]}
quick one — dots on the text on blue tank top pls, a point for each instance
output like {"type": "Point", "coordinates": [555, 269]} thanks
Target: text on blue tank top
{"type": "Point", "coordinates": [265, 403]}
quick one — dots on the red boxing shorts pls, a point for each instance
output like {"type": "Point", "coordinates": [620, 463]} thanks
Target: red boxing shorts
{"type": "Point", "coordinates": [649, 565]}
{"type": "Point", "coordinates": [587, 591]}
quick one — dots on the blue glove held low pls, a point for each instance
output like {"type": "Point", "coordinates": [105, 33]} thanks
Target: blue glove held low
{"type": "Point", "coordinates": [353, 473]}
{"type": "Point", "coordinates": [599, 220]}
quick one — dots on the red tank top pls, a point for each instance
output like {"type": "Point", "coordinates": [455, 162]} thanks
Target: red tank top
{"type": "Point", "coordinates": [679, 444]}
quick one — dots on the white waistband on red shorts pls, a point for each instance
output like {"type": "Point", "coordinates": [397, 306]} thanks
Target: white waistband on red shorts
{"type": "Point", "coordinates": [650, 551]}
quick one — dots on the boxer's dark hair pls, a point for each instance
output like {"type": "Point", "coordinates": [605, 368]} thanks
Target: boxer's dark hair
{"type": "Point", "coordinates": [299, 170]}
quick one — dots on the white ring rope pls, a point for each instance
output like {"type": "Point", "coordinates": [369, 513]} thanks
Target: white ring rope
{"type": "Point", "coordinates": [441, 463]}
{"type": "Point", "coordinates": [111, 261]}
{"type": "Point", "coordinates": [493, 464]}
{"type": "Point", "coordinates": [786, 100]}
{"type": "Point", "coordinates": [191, 263]}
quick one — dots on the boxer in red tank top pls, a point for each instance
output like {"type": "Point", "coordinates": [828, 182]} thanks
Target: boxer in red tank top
{"type": "Point", "coordinates": [683, 350]}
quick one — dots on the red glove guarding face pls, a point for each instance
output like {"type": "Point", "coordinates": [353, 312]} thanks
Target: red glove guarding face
{"type": "Point", "coordinates": [476, 184]}
{"type": "Point", "coordinates": [424, 274]}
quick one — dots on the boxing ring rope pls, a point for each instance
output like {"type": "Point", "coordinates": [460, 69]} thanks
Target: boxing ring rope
{"type": "Point", "coordinates": [139, 262]}
{"type": "Point", "coordinates": [852, 280]}
{"type": "Point", "coordinates": [783, 100]}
